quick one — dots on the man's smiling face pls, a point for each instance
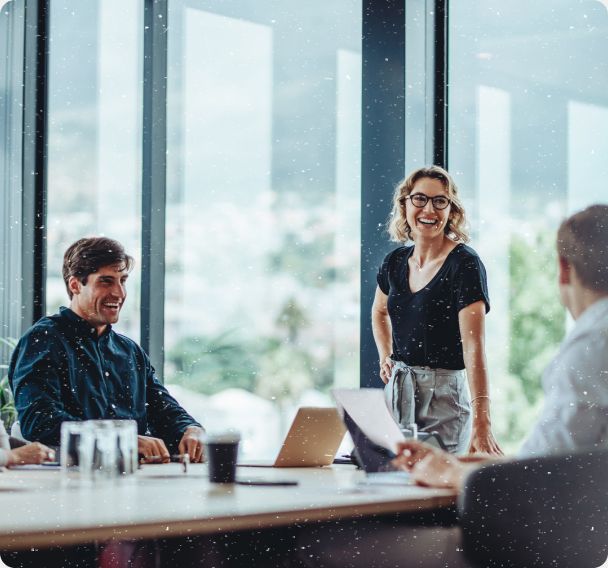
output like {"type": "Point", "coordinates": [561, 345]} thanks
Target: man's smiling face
{"type": "Point", "coordinates": [101, 298]}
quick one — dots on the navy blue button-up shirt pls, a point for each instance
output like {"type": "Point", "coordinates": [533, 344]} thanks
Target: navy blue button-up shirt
{"type": "Point", "coordinates": [62, 371]}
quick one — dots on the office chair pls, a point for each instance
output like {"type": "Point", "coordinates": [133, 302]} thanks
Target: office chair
{"type": "Point", "coordinates": [550, 511]}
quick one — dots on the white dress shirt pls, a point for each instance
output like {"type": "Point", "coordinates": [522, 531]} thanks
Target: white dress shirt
{"type": "Point", "coordinates": [575, 411]}
{"type": "Point", "coordinates": [4, 445]}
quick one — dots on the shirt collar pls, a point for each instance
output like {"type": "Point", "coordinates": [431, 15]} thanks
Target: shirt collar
{"type": "Point", "coordinates": [596, 312]}
{"type": "Point", "coordinates": [80, 325]}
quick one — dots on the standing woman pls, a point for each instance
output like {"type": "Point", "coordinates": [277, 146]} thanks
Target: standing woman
{"type": "Point", "coordinates": [428, 317]}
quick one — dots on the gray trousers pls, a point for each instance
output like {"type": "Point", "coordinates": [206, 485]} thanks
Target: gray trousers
{"type": "Point", "coordinates": [437, 400]}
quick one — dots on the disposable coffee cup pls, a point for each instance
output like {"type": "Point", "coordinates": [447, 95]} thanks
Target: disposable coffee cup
{"type": "Point", "coordinates": [222, 450]}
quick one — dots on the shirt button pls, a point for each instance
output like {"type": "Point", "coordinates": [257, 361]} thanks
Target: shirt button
{"type": "Point", "coordinates": [107, 373]}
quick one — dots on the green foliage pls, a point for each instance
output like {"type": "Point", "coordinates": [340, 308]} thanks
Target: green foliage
{"type": "Point", "coordinates": [285, 372]}
{"type": "Point", "coordinates": [306, 260]}
{"type": "Point", "coordinates": [211, 364]}
{"type": "Point", "coordinates": [537, 317]}
{"type": "Point", "coordinates": [292, 318]}
{"type": "Point", "coordinates": [8, 413]}
{"type": "Point", "coordinates": [277, 368]}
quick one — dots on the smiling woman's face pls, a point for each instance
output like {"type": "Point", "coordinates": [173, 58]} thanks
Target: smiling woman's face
{"type": "Point", "coordinates": [427, 222]}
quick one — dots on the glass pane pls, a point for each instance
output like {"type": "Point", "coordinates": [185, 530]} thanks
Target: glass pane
{"type": "Point", "coordinates": [94, 137]}
{"type": "Point", "coordinates": [263, 213]}
{"type": "Point", "coordinates": [528, 145]}
{"type": "Point", "coordinates": [12, 22]}
{"type": "Point", "coordinates": [415, 85]}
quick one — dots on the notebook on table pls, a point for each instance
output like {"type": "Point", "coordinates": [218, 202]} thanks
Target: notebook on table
{"type": "Point", "coordinates": [312, 441]}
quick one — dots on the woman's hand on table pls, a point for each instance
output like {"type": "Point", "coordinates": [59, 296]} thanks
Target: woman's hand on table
{"type": "Point", "coordinates": [483, 441]}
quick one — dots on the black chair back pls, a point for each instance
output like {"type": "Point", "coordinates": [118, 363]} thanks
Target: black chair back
{"type": "Point", "coordinates": [550, 511]}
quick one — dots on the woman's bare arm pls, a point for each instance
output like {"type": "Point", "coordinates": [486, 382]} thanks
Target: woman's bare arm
{"type": "Point", "coordinates": [382, 329]}
{"type": "Point", "coordinates": [472, 329]}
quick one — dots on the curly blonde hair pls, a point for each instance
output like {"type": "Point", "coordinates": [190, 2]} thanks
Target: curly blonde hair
{"type": "Point", "coordinates": [397, 225]}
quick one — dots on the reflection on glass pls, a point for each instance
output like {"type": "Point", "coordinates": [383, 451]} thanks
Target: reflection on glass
{"type": "Point", "coordinates": [94, 137]}
{"type": "Point", "coordinates": [263, 214]}
{"type": "Point", "coordinates": [528, 121]}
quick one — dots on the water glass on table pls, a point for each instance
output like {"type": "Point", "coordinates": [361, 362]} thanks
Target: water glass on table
{"type": "Point", "coordinates": [115, 448]}
{"type": "Point", "coordinates": [76, 455]}
{"type": "Point", "coordinates": [99, 449]}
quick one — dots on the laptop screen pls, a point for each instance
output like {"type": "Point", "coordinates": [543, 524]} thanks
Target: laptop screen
{"type": "Point", "coordinates": [371, 456]}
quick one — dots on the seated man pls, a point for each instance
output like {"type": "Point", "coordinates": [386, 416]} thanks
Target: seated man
{"type": "Point", "coordinates": [74, 366]}
{"type": "Point", "coordinates": [575, 414]}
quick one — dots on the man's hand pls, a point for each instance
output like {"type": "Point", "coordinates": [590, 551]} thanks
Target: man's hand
{"type": "Point", "coordinates": [153, 450]}
{"type": "Point", "coordinates": [431, 466]}
{"type": "Point", "coordinates": [30, 453]}
{"type": "Point", "coordinates": [410, 452]}
{"type": "Point", "coordinates": [192, 444]}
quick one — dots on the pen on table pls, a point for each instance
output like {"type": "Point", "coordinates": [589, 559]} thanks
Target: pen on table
{"type": "Point", "coordinates": [174, 458]}
{"type": "Point", "coordinates": [267, 482]}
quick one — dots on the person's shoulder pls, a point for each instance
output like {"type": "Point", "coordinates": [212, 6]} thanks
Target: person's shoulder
{"type": "Point", "coordinates": [583, 360]}
{"type": "Point", "coordinates": [44, 337]}
{"type": "Point", "coordinates": [464, 257]}
{"type": "Point", "coordinates": [127, 343]}
{"type": "Point", "coordinates": [124, 340]}
{"type": "Point", "coordinates": [593, 342]}
{"type": "Point", "coordinates": [46, 327]}
{"type": "Point", "coordinates": [464, 252]}
{"type": "Point", "coordinates": [398, 253]}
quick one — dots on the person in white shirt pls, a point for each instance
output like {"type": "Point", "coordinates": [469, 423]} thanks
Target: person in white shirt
{"type": "Point", "coordinates": [26, 454]}
{"type": "Point", "coordinates": [575, 384]}
{"type": "Point", "coordinates": [574, 416]}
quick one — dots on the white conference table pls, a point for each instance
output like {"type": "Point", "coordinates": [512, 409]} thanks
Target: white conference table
{"type": "Point", "coordinates": [39, 509]}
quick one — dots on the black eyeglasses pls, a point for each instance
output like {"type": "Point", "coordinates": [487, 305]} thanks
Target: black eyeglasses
{"type": "Point", "coordinates": [420, 200]}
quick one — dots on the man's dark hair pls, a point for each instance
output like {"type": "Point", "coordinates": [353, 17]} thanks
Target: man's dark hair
{"type": "Point", "coordinates": [88, 255]}
{"type": "Point", "coordinates": [582, 240]}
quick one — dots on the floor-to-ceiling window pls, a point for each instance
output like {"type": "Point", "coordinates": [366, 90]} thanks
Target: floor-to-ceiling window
{"type": "Point", "coordinates": [528, 141]}
{"type": "Point", "coordinates": [263, 190]}
{"type": "Point", "coordinates": [94, 135]}
{"type": "Point", "coordinates": [263, 209]}
{"type": "Point", "coordinates": [12, 20]}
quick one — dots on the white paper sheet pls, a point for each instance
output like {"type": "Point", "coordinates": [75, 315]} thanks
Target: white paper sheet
{"type": "Point", "coordinates": [368, 409]}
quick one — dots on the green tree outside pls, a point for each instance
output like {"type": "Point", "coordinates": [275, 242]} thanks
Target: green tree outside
{"type": "Point", "coordinates": [537, 316]}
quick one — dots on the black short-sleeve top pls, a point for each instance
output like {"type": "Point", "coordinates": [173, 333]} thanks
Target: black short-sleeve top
{"type": "Point", "coordinates": [425, 323]}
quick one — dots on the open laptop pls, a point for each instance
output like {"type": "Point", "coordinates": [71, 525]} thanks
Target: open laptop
{"type": "Point", "coordinates": [312, 441]}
